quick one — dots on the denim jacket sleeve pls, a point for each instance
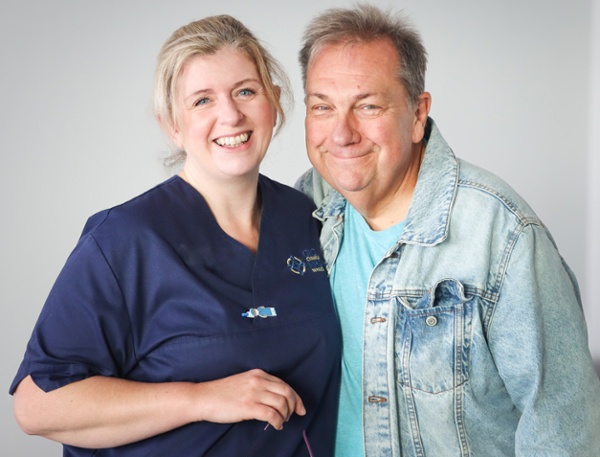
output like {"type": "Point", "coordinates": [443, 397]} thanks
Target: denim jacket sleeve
{"type": "Point", "coordinates": [541, 351]}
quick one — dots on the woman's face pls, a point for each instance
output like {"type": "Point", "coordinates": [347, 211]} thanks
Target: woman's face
{"type": "Point", "coordinates": [224, 120]}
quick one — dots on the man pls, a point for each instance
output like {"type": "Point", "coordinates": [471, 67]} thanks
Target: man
{"type": "Point", "coordinates": [463, 328]}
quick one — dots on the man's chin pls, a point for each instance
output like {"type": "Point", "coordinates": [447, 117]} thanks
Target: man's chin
{"type": "Point", "coordinates": [346, 181]}
{"type": "Point", "coordinates": [348, 189]}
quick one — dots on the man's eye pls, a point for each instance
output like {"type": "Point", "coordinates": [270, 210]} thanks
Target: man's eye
{"type": "Point", "coordinates": [370, 110]}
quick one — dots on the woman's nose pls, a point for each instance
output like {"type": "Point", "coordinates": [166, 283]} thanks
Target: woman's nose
{"type": "Point", "coordinates": [230, 113]}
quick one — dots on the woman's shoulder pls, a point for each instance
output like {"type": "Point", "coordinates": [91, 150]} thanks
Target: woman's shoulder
{"type": "Point", "coordinates": [140, 210]}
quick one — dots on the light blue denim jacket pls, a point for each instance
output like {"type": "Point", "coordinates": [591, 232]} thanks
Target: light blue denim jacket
{"type": "Point", "coordinates": [474, 337]}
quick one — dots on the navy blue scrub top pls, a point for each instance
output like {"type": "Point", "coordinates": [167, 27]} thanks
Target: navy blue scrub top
{"type": "Point", "coordinates": [155, 291]}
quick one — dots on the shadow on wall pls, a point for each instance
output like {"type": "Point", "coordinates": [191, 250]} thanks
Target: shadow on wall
{"type": "Point", "coordinates": [597, 365]}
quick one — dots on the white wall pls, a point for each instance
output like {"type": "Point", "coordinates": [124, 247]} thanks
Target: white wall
{"type": "Point", "coordinates": [510, 83]}
{"type": "Point", "coordinates": [593, 226]}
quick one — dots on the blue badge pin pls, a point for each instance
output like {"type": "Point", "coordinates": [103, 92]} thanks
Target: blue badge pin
{"type": "Point", "coordinates": [261, 311]}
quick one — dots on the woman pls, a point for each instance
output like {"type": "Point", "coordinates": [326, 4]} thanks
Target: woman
{"type": "Point", "coordinates": [196, 318]}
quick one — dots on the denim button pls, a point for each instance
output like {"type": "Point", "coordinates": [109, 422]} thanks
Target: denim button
{"type": "Point", "coordinates": [431, 321]}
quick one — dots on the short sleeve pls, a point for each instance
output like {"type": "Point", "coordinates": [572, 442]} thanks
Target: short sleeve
{"type": "Point", "coordinates": [83, 329]}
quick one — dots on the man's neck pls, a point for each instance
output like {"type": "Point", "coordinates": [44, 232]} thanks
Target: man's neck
{"type": "Point", "coordinates": [383, 210]}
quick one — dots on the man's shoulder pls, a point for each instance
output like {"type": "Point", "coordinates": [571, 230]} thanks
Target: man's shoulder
{"type": "Point", "coordinates": [484, 181]}
{"type": "Point", "coordinates": [311, 183]}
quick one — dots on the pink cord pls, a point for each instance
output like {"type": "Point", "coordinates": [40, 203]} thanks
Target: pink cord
{"type": "Point", "coordinates": [307, 443]}
{"type": "Point", "coordinates": [310, 452]}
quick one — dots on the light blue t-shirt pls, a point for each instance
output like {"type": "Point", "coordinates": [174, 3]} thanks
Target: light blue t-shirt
{"type": "Point", "coordinates": [361, 249]}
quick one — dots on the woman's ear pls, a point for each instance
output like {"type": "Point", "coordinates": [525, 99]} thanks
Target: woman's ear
{"type": "Point", "coordinates": [172, 131]}
{"type": "Point", "coordinates": [277, 91]}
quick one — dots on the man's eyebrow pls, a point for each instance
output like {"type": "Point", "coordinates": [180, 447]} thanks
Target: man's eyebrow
{"type": "Point", "coordinates": [317, 95]}
{"type": "Point", "coordinates": [324, 97]}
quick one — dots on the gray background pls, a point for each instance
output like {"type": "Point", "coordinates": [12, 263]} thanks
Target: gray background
{"type": "Point", "coordinates": [514, 85]}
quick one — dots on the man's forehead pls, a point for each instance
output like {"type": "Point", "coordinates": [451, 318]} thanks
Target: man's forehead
{"type": "Point", "coordinates": [350, 47]}
{"type": "Point", "coordinates": [353, 59]}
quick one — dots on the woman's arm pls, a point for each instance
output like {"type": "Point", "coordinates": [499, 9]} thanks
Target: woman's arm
{"type": "Point", "coordinates": [101, 412]}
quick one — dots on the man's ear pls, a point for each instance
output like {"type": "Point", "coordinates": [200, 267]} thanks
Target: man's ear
{"type": "Point", "coordinates": [422, 108]}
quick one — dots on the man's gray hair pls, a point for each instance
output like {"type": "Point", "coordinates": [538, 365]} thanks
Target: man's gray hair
{"type": "Point", "coordinates": [364, 24]}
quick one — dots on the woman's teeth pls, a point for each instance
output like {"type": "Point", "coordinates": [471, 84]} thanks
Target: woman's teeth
{"type": "Point", "coordinates": [232, 140]}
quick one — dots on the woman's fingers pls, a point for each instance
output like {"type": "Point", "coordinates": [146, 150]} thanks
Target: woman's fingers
{"type": "Point", "coordinates": [276, 401]}
{"type": "Point", "coordinates": [278, 395]}
{"type": "Point", "coordinates": [254, 394]}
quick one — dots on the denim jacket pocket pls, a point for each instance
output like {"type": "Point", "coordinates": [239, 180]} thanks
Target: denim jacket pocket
{"type": "Point", "coordinates": [433, 339]}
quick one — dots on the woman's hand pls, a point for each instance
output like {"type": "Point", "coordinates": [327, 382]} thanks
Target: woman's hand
{"type": "Point", "coordinates": [253, 394]}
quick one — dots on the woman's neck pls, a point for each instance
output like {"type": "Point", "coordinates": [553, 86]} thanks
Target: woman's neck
{"type": "Point", "coordinates": [235, 204]}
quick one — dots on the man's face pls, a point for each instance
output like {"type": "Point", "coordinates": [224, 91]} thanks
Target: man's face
{"type": "Point", "coordinates": [361, 134]}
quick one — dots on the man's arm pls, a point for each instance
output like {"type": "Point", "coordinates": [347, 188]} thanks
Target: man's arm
{"type": "Point", "coordinates": [539, 340]}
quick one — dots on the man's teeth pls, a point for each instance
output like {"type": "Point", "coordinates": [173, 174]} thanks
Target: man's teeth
{"type": "Point", "coordinates": [232, 140]}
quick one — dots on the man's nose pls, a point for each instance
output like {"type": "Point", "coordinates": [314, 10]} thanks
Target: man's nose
{"type": "Point", "coordinates": [345, 131]}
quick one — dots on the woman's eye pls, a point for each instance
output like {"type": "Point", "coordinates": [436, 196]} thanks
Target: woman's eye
{"type": "Point", "coordinates": [202, 101]}
{"type": "Point", "coordinates": [246, 92]}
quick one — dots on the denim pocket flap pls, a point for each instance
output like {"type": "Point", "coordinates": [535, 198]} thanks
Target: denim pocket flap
{"type": "Point", "coordinates": [433, 339]}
